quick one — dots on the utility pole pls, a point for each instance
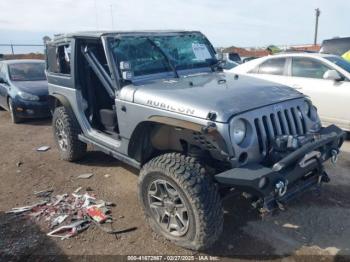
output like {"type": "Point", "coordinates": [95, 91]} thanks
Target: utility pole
{"type": "Point", "coordinates": [317, 13]}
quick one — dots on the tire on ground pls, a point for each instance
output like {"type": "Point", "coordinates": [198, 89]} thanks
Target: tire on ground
{"type": "Point", "coordinates": [14, 118]}
{"type": "Point", "coordinates": [75, 148]}
{"type": "Point", "coordinates": [199, 192]}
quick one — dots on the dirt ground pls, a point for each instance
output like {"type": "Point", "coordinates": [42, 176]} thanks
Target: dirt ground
{"type": "Point", "coordinates": [312, 225]}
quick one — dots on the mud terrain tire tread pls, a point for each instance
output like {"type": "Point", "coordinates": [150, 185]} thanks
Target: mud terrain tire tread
{"type": "Point", "coordinates": [201, 192]}
{"type": "Point", "coordinates": [76, 149]}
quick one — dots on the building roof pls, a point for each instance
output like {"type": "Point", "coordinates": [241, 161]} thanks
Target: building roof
{"type": "Point", "coordinates": [312, 48]}
{"type": "Point", "coordinates": [245, 52]}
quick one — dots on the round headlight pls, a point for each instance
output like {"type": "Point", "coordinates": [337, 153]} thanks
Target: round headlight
{"type": "Point", "coordinates": [306, 107]}
{"type": "Point", "coordinates": [239, 131]}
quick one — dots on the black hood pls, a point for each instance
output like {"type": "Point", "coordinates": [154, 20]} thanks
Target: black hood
{"type": "Point", "coordinates": [38, 88]}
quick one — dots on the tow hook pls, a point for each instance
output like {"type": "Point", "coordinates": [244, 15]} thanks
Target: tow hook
{"type": "Point", "coordinates": [334, 157]}
{"type": "Point", "coordinates": [281, 188]}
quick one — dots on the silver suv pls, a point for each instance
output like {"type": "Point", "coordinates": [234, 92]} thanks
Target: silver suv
{"type": "Point", "coordinates": [160, 102]}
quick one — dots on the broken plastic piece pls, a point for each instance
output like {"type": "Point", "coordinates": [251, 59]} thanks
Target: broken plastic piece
{"type": "Point", "coordinates": [17, 210]}
{"type": "Point", "coordinates": [87, 199]}
{"type": "Point", "coordinates": [68, 231]}
{"type": "Point", "coordinates": [59, 199]}
{"type": "Point", "coordinates": [85, 176]}
{"type": "Point", "coordinates": [78, 189]}
{"type": "Point", "coordinates": [43, 193]}
{"type": "Point", "coordinates": [43, 148]}
{"type": "Point", "coordinates": [58, 220]}
{"type": "Point", "coordinates": [96, 214]}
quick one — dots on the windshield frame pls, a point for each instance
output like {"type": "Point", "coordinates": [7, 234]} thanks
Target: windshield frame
{"type": "Point", "coordinates": [24, 80]}
{"type": "Point", "coordinates": [162, 75]}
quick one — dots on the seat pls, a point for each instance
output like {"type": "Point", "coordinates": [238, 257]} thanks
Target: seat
{"type": "Point", "coordinates": [108, 119]}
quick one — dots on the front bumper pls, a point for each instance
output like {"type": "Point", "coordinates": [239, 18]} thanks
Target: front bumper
{"type": "Point", "coordinates": [31, 109]}
{"type": "Point", "coordinates": [298, 171]}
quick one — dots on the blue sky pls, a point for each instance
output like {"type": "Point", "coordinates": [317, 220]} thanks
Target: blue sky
{"type": "Point", "coordinates": [226, 23]}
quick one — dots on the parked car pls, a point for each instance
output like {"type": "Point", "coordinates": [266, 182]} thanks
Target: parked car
{"type": "Point", "coordinates": [23, 89]}
{"type": "Point", "coordinates": [247, 59]}
{"type": "Point", "coordinates": [232, 57]}
{"type": "Point", "coordinates": [337, 46]}
{"type": "Point", "coordinates": [159, 102]}
{"type": "Point", "coordinates": [227, 65]}
{"type": "Point", "coordinates": [324, 78]}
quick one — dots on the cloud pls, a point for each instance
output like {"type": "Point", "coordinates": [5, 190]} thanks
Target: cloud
{"type": "Point", "coordinates": [225, 22]}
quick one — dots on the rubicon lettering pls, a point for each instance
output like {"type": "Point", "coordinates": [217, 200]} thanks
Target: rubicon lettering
{"type": "Point", "coordinates": [179, 109]}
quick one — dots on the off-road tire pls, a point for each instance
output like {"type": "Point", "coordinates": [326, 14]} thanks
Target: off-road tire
{"type": "Point", "coordinates": [199, 192]}
{"type": "Point", "coordinates": [75, 148]}
{"type": "Point", "coordinates": [14, 118]}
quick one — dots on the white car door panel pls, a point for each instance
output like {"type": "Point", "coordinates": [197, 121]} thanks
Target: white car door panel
{"type": "Point", "coordinates": [331, 98]}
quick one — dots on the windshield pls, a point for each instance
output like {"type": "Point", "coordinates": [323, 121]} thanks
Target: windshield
{"type": "Point", "coordinates": [163, 53]}
{"type": "Point", "coordinates": [27, 71]}
{"type": "Point", "coordinates": [339, 62]}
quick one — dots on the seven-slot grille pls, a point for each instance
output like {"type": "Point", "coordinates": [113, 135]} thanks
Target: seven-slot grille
{"type": "Point", "coordinates": [284, 122]}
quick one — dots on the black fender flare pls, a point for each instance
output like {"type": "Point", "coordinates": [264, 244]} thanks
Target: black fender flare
{"type": "Point", "coordinates": [56, 100]}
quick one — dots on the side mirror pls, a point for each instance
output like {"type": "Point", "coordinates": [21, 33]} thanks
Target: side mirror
{"type": "Point", "coordinates": [332, 75]}
{"type": "Point", "coordinates": [125, 68]}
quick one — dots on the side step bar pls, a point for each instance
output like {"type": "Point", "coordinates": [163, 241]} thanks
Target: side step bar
{"type": "Point", "coordinates": [130, 161]}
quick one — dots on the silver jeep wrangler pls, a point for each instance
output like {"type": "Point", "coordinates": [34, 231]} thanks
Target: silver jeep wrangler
{"type": "Point", "coordinates": [160, 102]}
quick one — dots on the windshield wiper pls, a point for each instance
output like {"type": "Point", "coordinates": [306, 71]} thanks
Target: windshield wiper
{"type": "Point", "coordinates": [165, 55]}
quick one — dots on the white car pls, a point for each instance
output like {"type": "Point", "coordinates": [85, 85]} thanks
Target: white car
{"type": "Point", "coordinates": [324, 78]}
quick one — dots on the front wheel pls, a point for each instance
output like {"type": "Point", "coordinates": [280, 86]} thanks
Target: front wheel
{"type": "Point", "coordinates": [66, 130]}
{"type": "Point", "coordinates": [14, 118]}
{"type": "Point", "coordinates": [180, 201]}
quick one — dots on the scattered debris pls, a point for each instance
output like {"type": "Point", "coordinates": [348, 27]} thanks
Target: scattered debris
{"type": "Point", "coordinates": [89, 189]}
{"type": "Point", "coordinates": [17, 210]}
{"type": "Point", "coordinates": [58, 220]}
{"type": "Point", "coordinates": [68, 231]}
{"type": "Point", "coordinates": [74, 212]}
{"type": "Point", "coordinates": [85, 176]}
{"type": "Point", "coordinates": [43, 148]}
{"type": "Point", "coordinates": [59, 198]}
{"type": "Point", "coordinates": [43, 193]}
{"type": "Point", "coordinates": [107, 175]}
{"type": "Point", "coordinates": [96, 214]}
{"type": "Point", "coordinates": [78, 189]}
{"type": "Point", "coordinates": [287, 225]}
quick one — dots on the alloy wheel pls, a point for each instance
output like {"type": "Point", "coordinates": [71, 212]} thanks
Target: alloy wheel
{"type": "Point", "coordinates": [168, 208]}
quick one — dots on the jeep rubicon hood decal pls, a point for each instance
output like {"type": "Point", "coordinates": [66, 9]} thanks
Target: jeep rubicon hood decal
{"type": "Point", "coordinates": [225, 94]}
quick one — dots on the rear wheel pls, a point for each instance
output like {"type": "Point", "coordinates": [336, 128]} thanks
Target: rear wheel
{"type": "Point", "coordinates": [180, 201]}
{"type": "Point", "coordinates": [14, 118]}
{"type": "Point", "coordinates": [66, 130]}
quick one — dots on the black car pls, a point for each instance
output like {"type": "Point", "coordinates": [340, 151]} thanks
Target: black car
{"type": "Point", "coordinates": [24, 89]}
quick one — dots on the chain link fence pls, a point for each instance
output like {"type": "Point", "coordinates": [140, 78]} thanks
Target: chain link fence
{"type": "Point", "coordinates": [15, 49]}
